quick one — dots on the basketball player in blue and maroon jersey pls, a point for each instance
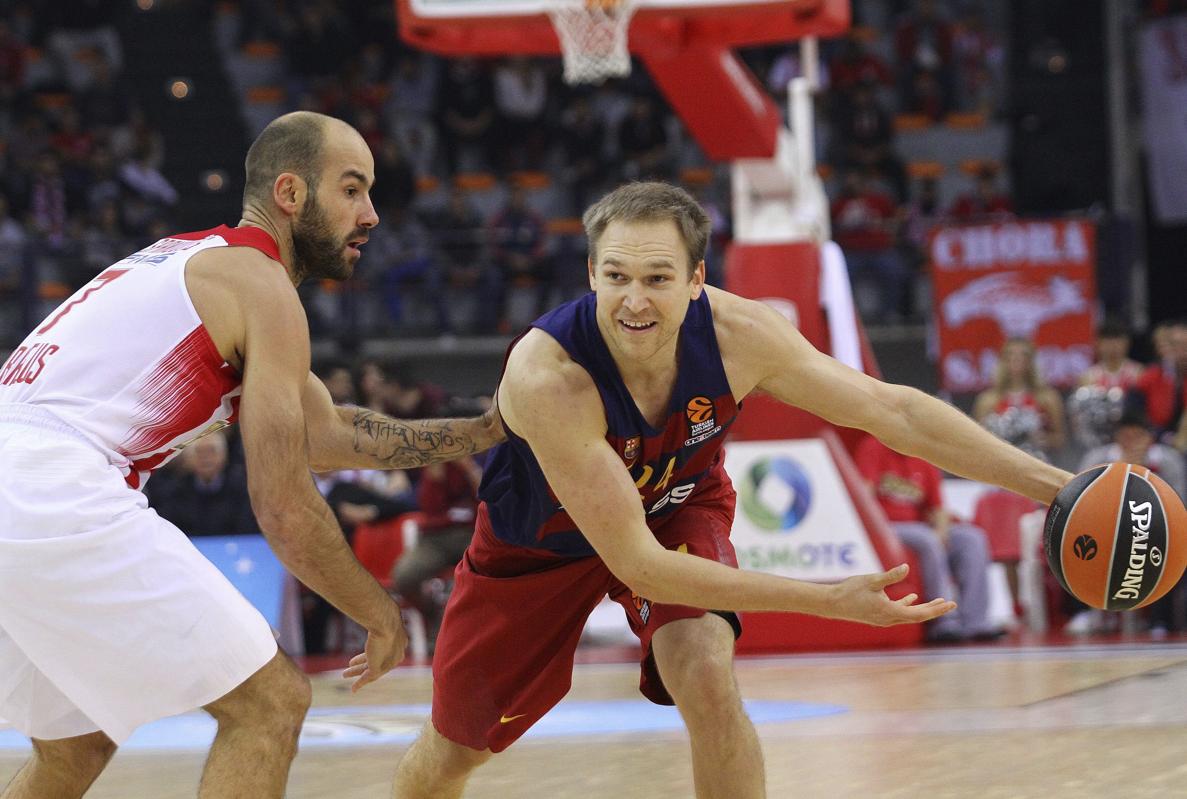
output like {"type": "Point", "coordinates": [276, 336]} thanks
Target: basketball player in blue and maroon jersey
{"type": "Point", "coordinates": [611, 482]}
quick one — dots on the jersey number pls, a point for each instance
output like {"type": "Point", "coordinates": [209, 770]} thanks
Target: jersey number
{"type": "Point", "coordinates": [99, 282]}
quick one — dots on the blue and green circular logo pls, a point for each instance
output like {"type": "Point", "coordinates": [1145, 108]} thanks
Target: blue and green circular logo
{"type": "Point", "coordinates": [775, 494]}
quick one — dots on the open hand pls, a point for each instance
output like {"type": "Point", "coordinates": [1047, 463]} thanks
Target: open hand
{"type": "Point", "coordinates": [863, 598]}
{"type": "Point", "coordinates": [383, 652]}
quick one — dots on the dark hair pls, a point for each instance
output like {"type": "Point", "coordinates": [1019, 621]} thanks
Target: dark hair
{"type": "Point", "coordinates": [1132, 417]}
{"type": "Point", "coordinates": [649, 202]}
{"type": "Point", "coordinates": [1112, 327]}
{"type": "Point", "coordinates": [291, 143]}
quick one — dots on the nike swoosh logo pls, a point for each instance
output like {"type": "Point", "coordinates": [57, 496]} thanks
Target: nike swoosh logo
{"type": "Point", "coordinates": [505, 719]}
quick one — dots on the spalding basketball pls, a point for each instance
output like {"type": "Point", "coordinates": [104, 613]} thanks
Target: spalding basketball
{"type": "Point", "coordinates": [1116, 537]}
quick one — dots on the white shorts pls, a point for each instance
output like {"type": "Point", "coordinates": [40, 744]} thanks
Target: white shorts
{"type": "Point", "coordinates": [109, 617]}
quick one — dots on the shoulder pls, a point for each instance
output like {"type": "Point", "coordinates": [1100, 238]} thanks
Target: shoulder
{"type": "Point", "coordinates": [541, 381]}
{"type": "Point", "coordinates": [539, 364]}
{"type": "Point", "coordinates": [737, 319]}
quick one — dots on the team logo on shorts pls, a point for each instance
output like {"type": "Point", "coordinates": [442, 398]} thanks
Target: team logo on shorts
{"type": "Point", "coordinates": [630, 450]}
{"type": "Point", "coordinates": [702, 423]}
{"type": "Point", "coordinates": [642, 605]}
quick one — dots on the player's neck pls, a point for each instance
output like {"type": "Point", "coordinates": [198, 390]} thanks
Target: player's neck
{"type": "Point", "coordinates": [284, 243]}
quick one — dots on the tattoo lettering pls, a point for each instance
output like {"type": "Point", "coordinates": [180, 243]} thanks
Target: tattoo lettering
{"type": "Point", "coordinates": [408, 443]}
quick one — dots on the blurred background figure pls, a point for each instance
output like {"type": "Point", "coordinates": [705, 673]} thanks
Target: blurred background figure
{"type": "Point", "coordinates": [447, 496]}
{"type": "Point", "coordinates": [953, 558]}
{"type": "Point", "coordinates": [203, 494]}
{"type": "Point", "coordinates": [1020, 407]}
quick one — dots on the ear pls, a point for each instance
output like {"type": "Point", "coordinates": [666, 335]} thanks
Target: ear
{"type": "Point", "coordinates": [289, 192]}
{"type": "Point", "coordinates": [697, 283]}
{"type": "Point", "coordinates": [592, 280]}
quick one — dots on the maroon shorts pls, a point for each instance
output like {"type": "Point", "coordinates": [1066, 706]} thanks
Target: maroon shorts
{"type": "Point", "coordinates": [505, 653]}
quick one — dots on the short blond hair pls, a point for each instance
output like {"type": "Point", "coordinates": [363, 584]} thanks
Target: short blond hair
{"type": "Point", "coordinates": [649, 202]}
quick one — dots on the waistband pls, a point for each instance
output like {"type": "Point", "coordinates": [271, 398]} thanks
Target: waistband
{"type": "Point", "coordinates": [35, 416]}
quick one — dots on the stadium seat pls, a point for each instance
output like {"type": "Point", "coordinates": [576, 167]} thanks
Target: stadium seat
{"type": "Point", "coordinates": [378, 546]}
{"type": "Point", "coordinates": [965, 121]}
{"type": "Point", "coordinates": [911, 122]}
{"type": "Point", "coordinates": [999, 514]}
{"type": "Point", "coordinates": [920, 170]}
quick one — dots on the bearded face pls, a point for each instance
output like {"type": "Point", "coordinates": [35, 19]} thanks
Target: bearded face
{"type": "Point", "coordinates": [317, 252]}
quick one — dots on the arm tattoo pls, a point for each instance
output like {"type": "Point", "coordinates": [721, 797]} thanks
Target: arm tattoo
{"type": "Point", "coordinates": [408, 443]}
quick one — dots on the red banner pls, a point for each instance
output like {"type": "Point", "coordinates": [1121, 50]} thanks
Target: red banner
{"type": "Point", "coordinates": [1024, 279]}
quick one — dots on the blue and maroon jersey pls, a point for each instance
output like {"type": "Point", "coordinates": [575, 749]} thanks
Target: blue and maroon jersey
{"type": "Point", "coordinates": [669, 464]}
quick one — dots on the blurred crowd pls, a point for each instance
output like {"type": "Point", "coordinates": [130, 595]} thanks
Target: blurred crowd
{"type": "Point", "coordinates": [483, 166]}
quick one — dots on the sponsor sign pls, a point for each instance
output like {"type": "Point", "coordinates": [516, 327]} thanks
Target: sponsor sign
{"type": "Point", "coordinates": [1025, 279]}
{"type": "Point", "coordinates": [794, 516]}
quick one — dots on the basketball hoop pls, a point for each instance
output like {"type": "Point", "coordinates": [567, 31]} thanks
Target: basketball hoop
{"type": "Point", "coordinates": [593, 37]}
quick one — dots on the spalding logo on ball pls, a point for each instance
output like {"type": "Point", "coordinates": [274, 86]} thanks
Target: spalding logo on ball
{"type": "Point", "coordinates": [1116, 537]}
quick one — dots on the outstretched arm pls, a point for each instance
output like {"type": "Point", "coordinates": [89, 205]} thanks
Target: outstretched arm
{"type": "Point", "coordinates": [783, 364]}
{"type": "Point", "coordinates": [343, 437]}
{"type": "Point", "coordinates": [554, 405]}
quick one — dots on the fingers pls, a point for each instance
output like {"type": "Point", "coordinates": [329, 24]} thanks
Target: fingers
{"type": "Point", "coordinates": [890, 577]}
{"type": "Point", "coordinates": [366, 677]}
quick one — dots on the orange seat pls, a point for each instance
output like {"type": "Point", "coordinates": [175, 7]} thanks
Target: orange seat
{"type": "Point", "coordinates": [998, 513]}
{"type": "Point", "coordinates": [925, 170]}
{"type": "Point", "coordinates": [904, 122]}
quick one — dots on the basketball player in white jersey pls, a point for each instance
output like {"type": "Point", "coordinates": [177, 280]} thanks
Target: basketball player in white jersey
{"type": "Point", "coordinates": [109, 618]}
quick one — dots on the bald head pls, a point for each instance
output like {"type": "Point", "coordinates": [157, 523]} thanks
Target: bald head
{"type": "Point", "coordinates": [292, 143]}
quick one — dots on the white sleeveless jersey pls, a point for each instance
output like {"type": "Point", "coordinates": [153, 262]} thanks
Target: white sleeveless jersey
{"type": "Point", "coordinates": [127, 362]}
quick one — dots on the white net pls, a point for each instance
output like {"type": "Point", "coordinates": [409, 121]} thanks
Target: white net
{"type": "Point", "coordinates": [593, 36]}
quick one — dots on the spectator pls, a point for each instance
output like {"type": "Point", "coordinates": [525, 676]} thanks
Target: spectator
{"type": "Point", "coordinates": [338, 380]}
{"type": "Point", "coordinates": [1100, 398]}
{"type": "Point", "coordinates": [357, 496]}
{"type": "Point", "coordinates": [864, 136]}
{"type": "Point", "coordinates": [317, 43]}
{"type": "Point", "coordinates": [103, 186]}
{"type": "Point", "coordinates": [395, 178]}
{"type": "Point", "coordinates": [979, 58]}
{"type": "Point", "coordinates": [207, 496]}
{"type": "Point", "coordinates": [447, 495]}
{"type": "Point", "coordinates": [521, 99]}
{"type": "Point", "coordinates": [459, 241]}
{"type": "Point", "coordinates": [864, 222]}
{"type": "Point", "coordinates": [103, 241]}
{"type": "Point", "coordinates": [465, 104]}
{"type": "Point", "coordinates": [856, 66]}
{"type": "Point", "coordinates": [410, 398]}
{"type": "Point", "coordinates": [985, 203]}
{"type": "Point", "coordinates": [12, 248]}
{"type": "Point", "coordinates": [583, 145]}
{"type": "Point", "coordinates": [643, 142]}
{"type": "Point", "coordinates": [47, 202]}
{"type": "Point", "coordinates": [923, 46]}
{"type": "Point", "coordinates": [953, 558]}
{"type": "Point", "coordinates": [105, 105]}
{"type": "Point", "coordinates": [519, 250]}
{"type": "Point", "coordinates": [1133, 442]}
{"type": "Point", "coordinates": [1161, 386]}
{"type": "Point", "coordinates": [1020, 407]}
{"type": "Point", "coordinates": [411, 106]}
{"type": "Point", "coordinates": [403, 247]}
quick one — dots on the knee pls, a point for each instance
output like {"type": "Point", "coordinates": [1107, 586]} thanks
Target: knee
{"type": "Point", "coordinates": [700, 680]}
{"type": "Point", "coordinates": [406, 579]}
{"type": "Point", "coordinates": [971, 544]}
{"type": "Point", "coordinates": [278, 697]}
{"type": "Point", "coordinates": [451, 761]}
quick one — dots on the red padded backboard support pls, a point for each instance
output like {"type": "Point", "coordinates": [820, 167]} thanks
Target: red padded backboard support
{"type": "Point", "coordinates": [724, 89]}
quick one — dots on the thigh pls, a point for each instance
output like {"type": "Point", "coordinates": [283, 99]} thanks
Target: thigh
{"type": "Point", "coordinates": [505, 653]}
{"type": "Point", "coordinates": [129, 621]}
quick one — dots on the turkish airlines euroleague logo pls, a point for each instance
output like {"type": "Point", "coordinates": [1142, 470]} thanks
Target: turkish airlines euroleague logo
{"type": "Point", "coordinates": [699, 410]}
{"type": "Point", "coordinates": [702, 423]}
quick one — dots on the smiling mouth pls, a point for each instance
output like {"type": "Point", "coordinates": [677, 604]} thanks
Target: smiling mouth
{"type": "Point", "coordinates": [636, 327]}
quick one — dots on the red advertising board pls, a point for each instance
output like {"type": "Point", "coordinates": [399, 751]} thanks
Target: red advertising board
{"type": "Point", "coordinates": [1031, 279]}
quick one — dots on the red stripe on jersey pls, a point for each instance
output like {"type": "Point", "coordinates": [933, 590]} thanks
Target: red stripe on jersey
{"type": "Point", "coordinates": [246, 236]}
{"type": "Point", "coordinates": [180, 395]}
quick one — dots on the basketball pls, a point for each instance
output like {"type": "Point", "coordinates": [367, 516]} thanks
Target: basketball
{"type": "Point", "coordinates": [1116, 537]}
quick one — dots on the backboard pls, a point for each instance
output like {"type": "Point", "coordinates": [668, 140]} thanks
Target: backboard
{"type": "Point", "coordinates": [501, 27]}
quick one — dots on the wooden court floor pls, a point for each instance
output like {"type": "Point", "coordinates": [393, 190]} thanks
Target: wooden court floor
{"type": "Point", "coordinates": [999, 722]}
